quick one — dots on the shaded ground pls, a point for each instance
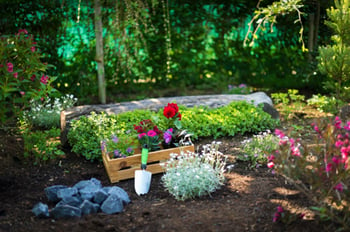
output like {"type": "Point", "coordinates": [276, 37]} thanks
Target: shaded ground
{"type": "Point", "coordinates": [247, 202]}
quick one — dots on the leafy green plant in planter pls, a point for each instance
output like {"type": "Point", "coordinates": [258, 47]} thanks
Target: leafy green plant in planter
{"type": "Point", "coordinates": [190, 175]}
{"type": "Point", "coordinates": [257, 149]}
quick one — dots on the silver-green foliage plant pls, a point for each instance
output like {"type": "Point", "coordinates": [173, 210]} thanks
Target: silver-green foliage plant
{"type": "Point", "coordinates": [257, 149]}
{"type": "Point", "coordinates": [46, 114]}
{"type": "Point", "coordinates": [189, 175]}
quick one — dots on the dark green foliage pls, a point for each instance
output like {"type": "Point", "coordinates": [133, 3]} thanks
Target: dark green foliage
{"type": "Point", "coordinates": [206, 46]}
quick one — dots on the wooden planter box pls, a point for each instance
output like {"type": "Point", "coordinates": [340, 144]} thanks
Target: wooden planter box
{"type": "Point", "coordinates": [124, 168]}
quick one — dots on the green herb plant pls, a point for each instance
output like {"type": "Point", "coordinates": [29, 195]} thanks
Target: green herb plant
{"type": "Point", "coordinates": [255, 150]}
{"type": "Point", "coordinates": [190, 175]}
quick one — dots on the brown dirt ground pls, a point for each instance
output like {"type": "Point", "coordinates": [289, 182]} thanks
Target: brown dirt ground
{"type": "Point", "coordinates": [246, 202]}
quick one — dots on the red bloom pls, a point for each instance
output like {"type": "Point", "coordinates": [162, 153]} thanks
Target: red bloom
{"type": "Point", "coordinates": [174, 106]}
{"type": "Point", "coordinates": [44, 79]}
{"type": "Point", "coordinates": [169, 112]}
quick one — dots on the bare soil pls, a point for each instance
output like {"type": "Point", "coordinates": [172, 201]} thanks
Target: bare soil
{"type": "Point", "coordinates": [247, 201]}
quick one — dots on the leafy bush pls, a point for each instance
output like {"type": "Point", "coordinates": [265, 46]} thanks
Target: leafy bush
{"type": "Point", "coordinates": [320, 172]}
{"type": "Point", "coordinates": [256, 149]}
{"type": "Point", "coordinates": [236, 118]}
{"type": "Point", "coordinates": [190, 175]}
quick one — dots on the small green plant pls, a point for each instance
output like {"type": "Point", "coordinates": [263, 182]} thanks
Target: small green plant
{"type": "Point", "coordinates": [325, 103]}
{"type": "Point", "coordinates": [289, 103]}
{"type": "Point", "coordinates": [42, 145]}
{"type": "Point", "coordinates": [256, 149]}
{"type": "Point", "coordinates": [190, 175]}
{"type": "Point", "coordinates": [321, 172]}
{"type": "Point", "coordinates": [46, 114]}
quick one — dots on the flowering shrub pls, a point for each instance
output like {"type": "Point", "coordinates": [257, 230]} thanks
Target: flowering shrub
{"type": "Point", "coordinates": [190, 175]}
{"type": "Point", "coordinates": [320, 172]}
{"type": "Point", "coordinates": [240, 89]}
{"type": "Point", "coordinates": [22, 73]}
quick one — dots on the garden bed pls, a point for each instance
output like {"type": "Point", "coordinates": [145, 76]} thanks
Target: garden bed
{"type": "Point", "coordinates": [246, 202]}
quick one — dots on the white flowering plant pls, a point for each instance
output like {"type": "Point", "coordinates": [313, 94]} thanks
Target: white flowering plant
{"type": "Point", "coordinates": [189, 175]}
{"type": "Point", "coordinates": [257, 149]}
{"type": "Point", "coordinates": [46, 114]}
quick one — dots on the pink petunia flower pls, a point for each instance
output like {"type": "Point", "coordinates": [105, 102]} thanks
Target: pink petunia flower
{"type": "Point", "coordinates": [279, 133]}
{"type": "Point", "coordinates": [270, 164]}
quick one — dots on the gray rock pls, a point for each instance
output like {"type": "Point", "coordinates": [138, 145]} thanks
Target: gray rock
{"type": "Point", "coordinates": [113, 204]}
{"type": "Point", "coordinates": [88, 192]}
{"type": "Point", "coordinates": [41, 210]}
{"type": "Point", "coordinates": [85, 183]}
{"type": "Point", "coordinates": [271, 111]}
{"type": "Point", "coordinates": [67, 192]}
{"type": "Point", "coordinates": [65, 211]}
{"type": "Point", "coordinates": [51, 192]}
{"type": "Point", "coordinates": [72, 201]}
{"type": "Point", "coordinates": [120, 193]}
{"type": "Point", "coordinates": [87, 207]}
{"type": "Point", "coordinates": [100, 196]}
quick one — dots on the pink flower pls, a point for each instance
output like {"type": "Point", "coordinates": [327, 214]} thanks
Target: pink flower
{"type": "Point", "coordinates": [279, 133]}
{"type": "Point", "coordinates": [44, 79]}
{"type": "Point", "coordinates": [151, 133]}
{"type": "Point", "coordinates": [22, 30]}
{"type": "Point", "coordinates": [32, 49]}
{"type": "Point", "coordinates": [337, 122]}
{"type": "Point", "coordinates": [339, 187]}
{"type": "Point", "coordinates": [276, 217]}
{"type": "Point", "coordinates": [140, 136]}
{"type": "Point", "coordinates": [317, 129]}
{"type": "Point", "coordinates": [336, 160]}
{"type": "Point", "coordinates": [271, 157]}
{"type": "Point", "coordinates": [15, 75]}
{"type": "Point", "coordinates": [339, 143]}
{"type": "Point", "coordinates": [33, 77]}
{"type": "Point", "coordinates": [280, 209]}
{"type": "Point", "coordinates": [270, 164]}
{"type": "Point", "coordinates": [347, 126]}
{"type": "Point", "coordinates": [22, 93]}
{"type": "Point", "coordinates": [329, 167]}
{"type": "Point", "coordinates": [9, 67]}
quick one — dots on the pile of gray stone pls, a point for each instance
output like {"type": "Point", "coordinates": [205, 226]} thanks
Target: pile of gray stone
{"type": "Point", "coordinates": [85, 197]}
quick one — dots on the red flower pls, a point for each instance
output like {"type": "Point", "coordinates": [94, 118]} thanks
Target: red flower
{"type": "Point", "coordinates": [174, 106]}
{"type": "Point", "coordinates": [44, 79]}
{"type": "Point", "coordinates": [169, 112]}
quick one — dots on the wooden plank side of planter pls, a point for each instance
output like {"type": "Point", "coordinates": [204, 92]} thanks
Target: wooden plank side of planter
{"type": "Point", "coordinates": [124, 168]}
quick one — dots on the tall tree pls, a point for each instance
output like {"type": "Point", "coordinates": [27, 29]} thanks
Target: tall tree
{"type": "Point", "coordinates": [99, 52]}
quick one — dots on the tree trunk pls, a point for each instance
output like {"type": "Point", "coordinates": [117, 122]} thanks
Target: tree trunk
{"type": "Point", "coordinates": [99, 53]}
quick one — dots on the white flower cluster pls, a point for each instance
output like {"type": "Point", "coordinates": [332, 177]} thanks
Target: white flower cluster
{"type": "Point", "coordinates": [47, 113]}
{"type": "Point", "coordinates": [190, 175]}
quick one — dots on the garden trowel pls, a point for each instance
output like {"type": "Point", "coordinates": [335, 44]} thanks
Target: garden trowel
{"type": "Point", "coordinates": [143, 177]}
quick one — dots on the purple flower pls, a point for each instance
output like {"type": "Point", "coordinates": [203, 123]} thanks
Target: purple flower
{"type": "Point", "coordinates": [168, 135]}
{"type": "Point", "coordinates": [129, 150]}
{"type": "Point", "coordinates": [115, 139]}
{"type": "Point", "coordinates": [242, 86]}
{"type": "Point", "coordinates": [116, 153]}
